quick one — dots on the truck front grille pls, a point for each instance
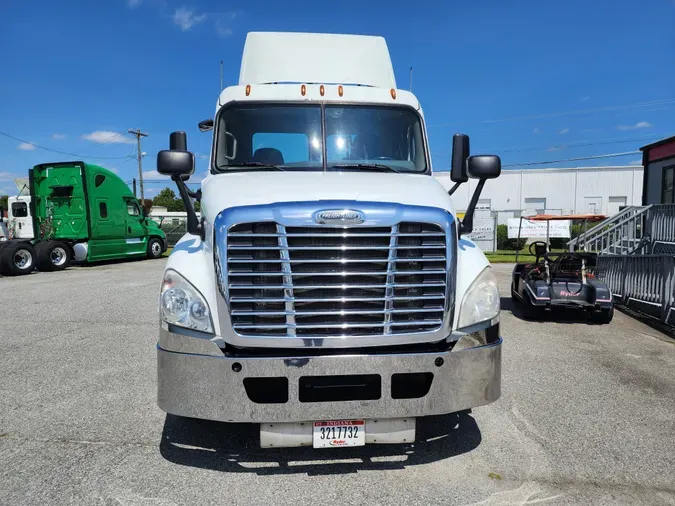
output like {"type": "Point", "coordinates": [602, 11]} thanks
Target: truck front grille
{"type": "Point", "coordinates": [318, 282]}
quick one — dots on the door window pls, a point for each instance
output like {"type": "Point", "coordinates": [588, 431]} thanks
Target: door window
{"type": "Point", "coordinates": [132, 209]}
{"type": "Point", "coordinates": [19, 209]}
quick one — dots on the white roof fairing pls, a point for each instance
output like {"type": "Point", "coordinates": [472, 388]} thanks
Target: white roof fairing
{"type": "Point", "coordinates": [278, 57]}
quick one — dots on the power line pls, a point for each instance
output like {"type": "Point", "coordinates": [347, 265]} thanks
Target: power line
{"type": "Point", "coordinates": [62, 152]}
{"type": "Point", "coordinates": [578, 144]}
{"type": "Point", "coordinates": [595, 157]}
{"type": "Point", "coordinates": [566, 113]}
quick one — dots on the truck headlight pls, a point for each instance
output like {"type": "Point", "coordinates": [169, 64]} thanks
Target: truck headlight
{"type": "Point", "coordinates": [181, 304]}
{"type": "Point", "coordinates": [481, 300]}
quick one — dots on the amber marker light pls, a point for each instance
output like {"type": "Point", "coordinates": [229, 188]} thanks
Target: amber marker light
{"type": "Point", "coordinates": [341, 90]}
{"type": "Point", "coordinates": [322, 90]}
{"type": "Point", "coordinates": [303, 90]}
{"type": "Point", "coordinates": [248, 90]}
{"type": "Point", "coordinates": [393, 93]}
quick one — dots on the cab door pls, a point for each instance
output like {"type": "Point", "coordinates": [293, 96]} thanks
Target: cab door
{"type": "Point", "coordinates": [136, 232]}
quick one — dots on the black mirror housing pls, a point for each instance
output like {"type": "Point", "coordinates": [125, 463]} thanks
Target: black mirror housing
{"type": "Point", "coordinates": [175, 163]}
{"type": "Point", "coordinates": [460, 154]}
{"type": "Point", "coordinates": [484, 166]}
{"type": "Point", "coordinates": [206, 125]}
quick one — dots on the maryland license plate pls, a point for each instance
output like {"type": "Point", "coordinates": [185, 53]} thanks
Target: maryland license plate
{"type": "Point", "coordinates": [336, 433]}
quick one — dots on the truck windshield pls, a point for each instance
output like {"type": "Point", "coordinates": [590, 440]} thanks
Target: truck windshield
{"type": "Point", "coordinates": [317, 138]}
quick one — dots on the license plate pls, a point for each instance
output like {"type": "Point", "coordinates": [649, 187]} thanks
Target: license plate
{"type": "Point", "coordinates": [336, 433]}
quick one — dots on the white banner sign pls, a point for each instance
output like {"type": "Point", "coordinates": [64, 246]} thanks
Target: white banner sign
{"type": "Point", "coordinates": [556, 228]}
{"type": "Point", "coordinates": [483, 229]}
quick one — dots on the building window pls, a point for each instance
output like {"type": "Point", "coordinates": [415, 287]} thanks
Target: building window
{"type": "Point", "coordinates": [667, 193]}
{"type": "Point", "coordinates": [538, 204]}
{"type": "Point", "coordinates": [103, 210]}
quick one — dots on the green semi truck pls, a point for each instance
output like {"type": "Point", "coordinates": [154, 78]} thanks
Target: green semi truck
{"type": "Point", "coordinates": [84, 213]}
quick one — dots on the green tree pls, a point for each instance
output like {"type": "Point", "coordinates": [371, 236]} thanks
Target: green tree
{"type": "Point", "coordinates": [3, 202]}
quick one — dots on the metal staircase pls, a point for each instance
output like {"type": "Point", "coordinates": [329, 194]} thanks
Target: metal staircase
{"type": "Point", "coordinates": [636, 258]}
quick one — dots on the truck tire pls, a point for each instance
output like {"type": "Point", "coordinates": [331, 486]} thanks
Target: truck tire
{"type": "Point", "coordinates": [155, 247]}
{"type": "Point", "coordinates": [53, 256]}
{"type": "Point", "coordinates": [17, 258]}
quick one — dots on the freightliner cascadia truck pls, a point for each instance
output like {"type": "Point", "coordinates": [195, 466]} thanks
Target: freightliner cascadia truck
{"type": "Point", "coordinates": [328, 292]}
{"type": "Point", "coordinates": [79, 212]}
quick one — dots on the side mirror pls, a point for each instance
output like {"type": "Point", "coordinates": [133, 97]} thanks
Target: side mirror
{"type": "Point", "coordinates": [206, 125]}
{"type": "Point", "coordinates": [484, 166]}
{"type": "Point", "coordinates": [179, 163]}
{"type": "Point", "coordinates": [175, 163]}
{"type": "Point", "coordinates": [460, 154]}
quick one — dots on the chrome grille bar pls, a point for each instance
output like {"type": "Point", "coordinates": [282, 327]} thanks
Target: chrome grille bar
{"type": "Point", "coordinates": [314, 281]}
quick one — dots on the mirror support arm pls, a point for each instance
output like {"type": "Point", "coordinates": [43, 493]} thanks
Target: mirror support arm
{"type": "Point", "coordinates": [454, 188]}
{"type": "Point", "coordinates": [193, 225]}
{"type": "Point", "coordinates": [466, 226]}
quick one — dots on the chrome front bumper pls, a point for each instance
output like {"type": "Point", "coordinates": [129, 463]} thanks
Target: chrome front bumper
{"type": "Point", "coordinates": [211, 386]}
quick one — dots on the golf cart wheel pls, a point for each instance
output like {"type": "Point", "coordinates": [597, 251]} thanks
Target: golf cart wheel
{"type": "Point", "coordinates": [155, 248]}
{"type": "Point", "coordinates": [604, 315]}
{"type": "Point", "coordinates": [17, 259]}
{"type": "Point", "coordinates": [53, 256]}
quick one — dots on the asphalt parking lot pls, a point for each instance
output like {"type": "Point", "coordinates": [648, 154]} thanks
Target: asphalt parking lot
{"type": "Point", "coordinates": [587, 416]}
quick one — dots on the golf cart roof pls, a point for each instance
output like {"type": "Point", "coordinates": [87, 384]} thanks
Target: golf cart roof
{"type": "Point", "coordinates": [555, 217]}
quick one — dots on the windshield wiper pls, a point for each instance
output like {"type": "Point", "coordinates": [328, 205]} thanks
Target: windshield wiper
{"type": "Point", "coordinates": [262, 165]}
{"type": "Point", "coordinates": [365, 166]}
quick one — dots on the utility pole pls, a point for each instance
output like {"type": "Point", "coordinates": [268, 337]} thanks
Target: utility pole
{"type": "Point", "coordinates": [138, 135]}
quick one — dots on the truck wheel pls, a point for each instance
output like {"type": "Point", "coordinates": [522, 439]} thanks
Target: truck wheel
{"type": "Point", "coordinates": [155, 248]}
{"type": "Point", "coordinates": [18, 258]}
{"type": "Point", "coordinates": [603, 316]}
{"type": "Point", "coordinates": [53, 256]}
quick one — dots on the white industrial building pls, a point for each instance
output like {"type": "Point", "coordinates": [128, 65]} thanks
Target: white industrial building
{"type": "Point", "coordinates": [599, 190]}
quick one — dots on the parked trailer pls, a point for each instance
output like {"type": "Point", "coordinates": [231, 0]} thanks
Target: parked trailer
{"type": "Point", "coordinates": [79, 212]}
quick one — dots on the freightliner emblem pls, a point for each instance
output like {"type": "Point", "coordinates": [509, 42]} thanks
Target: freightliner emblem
{"type": "Point", "coordinates": [338, 217]}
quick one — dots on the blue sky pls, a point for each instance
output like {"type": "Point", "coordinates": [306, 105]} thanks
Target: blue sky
{"type": "Point", "coordinates": [528, 80]}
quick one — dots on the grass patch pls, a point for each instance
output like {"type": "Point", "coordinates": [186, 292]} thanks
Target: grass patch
{"type": "Point", "coordinates": [509, 257]}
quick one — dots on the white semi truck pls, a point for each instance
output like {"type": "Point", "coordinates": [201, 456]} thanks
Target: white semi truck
{"type": "Point", "coordinates": [326, 292]}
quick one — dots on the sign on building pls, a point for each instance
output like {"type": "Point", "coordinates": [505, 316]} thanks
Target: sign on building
{"type": "Point", "coordinates": [528, 228]}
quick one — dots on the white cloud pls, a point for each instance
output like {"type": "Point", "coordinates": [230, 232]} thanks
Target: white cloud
{"type": "Point", "coordinates": [639, 124]}
{"type": "Point", "coordinates": [114, 171]}
{"type": "Point", "coordinates": [6, 176]}
{"type": "Point", "coordinates": [564, 131]}
{"type": "Point", "coordinates": [636, 162]}
{"type": "Point", "coordinates": [108, 137]}
{"type": "Point", "coordinates": [584, 99]}
{"type": "Point", "coordinates": [58, 137]}
{"type": "Point", "coordinates": [133, 3]}
{"type": "Point", "coordinates": [187, 18]}
{"type": "Point", "coordinates": [26, 146]}
{"type": "Point", "coordinates": [222, 30]}
{"type": "Point", "coordinates": [153, 174]}
{"type": "Point", "coordinates": [536, 130]}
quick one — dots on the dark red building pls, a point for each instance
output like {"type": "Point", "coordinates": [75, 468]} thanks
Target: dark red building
{"type": "Point", "coordinates": [658, 159]}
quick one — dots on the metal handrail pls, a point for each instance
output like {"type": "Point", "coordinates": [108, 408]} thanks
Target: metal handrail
{"type": "Point", "coordinates": [643, 282]}
{"type": "Point", "coordinates": [609, 221]}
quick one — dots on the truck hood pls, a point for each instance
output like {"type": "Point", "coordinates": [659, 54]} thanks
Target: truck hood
{"type": "Point", "coordinates": [254, 188]}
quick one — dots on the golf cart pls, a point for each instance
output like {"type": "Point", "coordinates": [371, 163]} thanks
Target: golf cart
{"type": "Point", "coordinates": [561, 280]}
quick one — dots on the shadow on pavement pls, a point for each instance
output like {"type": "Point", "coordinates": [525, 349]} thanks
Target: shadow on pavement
{"type": "Point", "coordinates": [235, 448]}
{"type": "Point", "coordinates": [557, 315]}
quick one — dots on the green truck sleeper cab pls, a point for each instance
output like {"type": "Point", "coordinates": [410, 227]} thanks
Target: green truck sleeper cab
{"type": "Point", "coordinates": [81, 212]}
